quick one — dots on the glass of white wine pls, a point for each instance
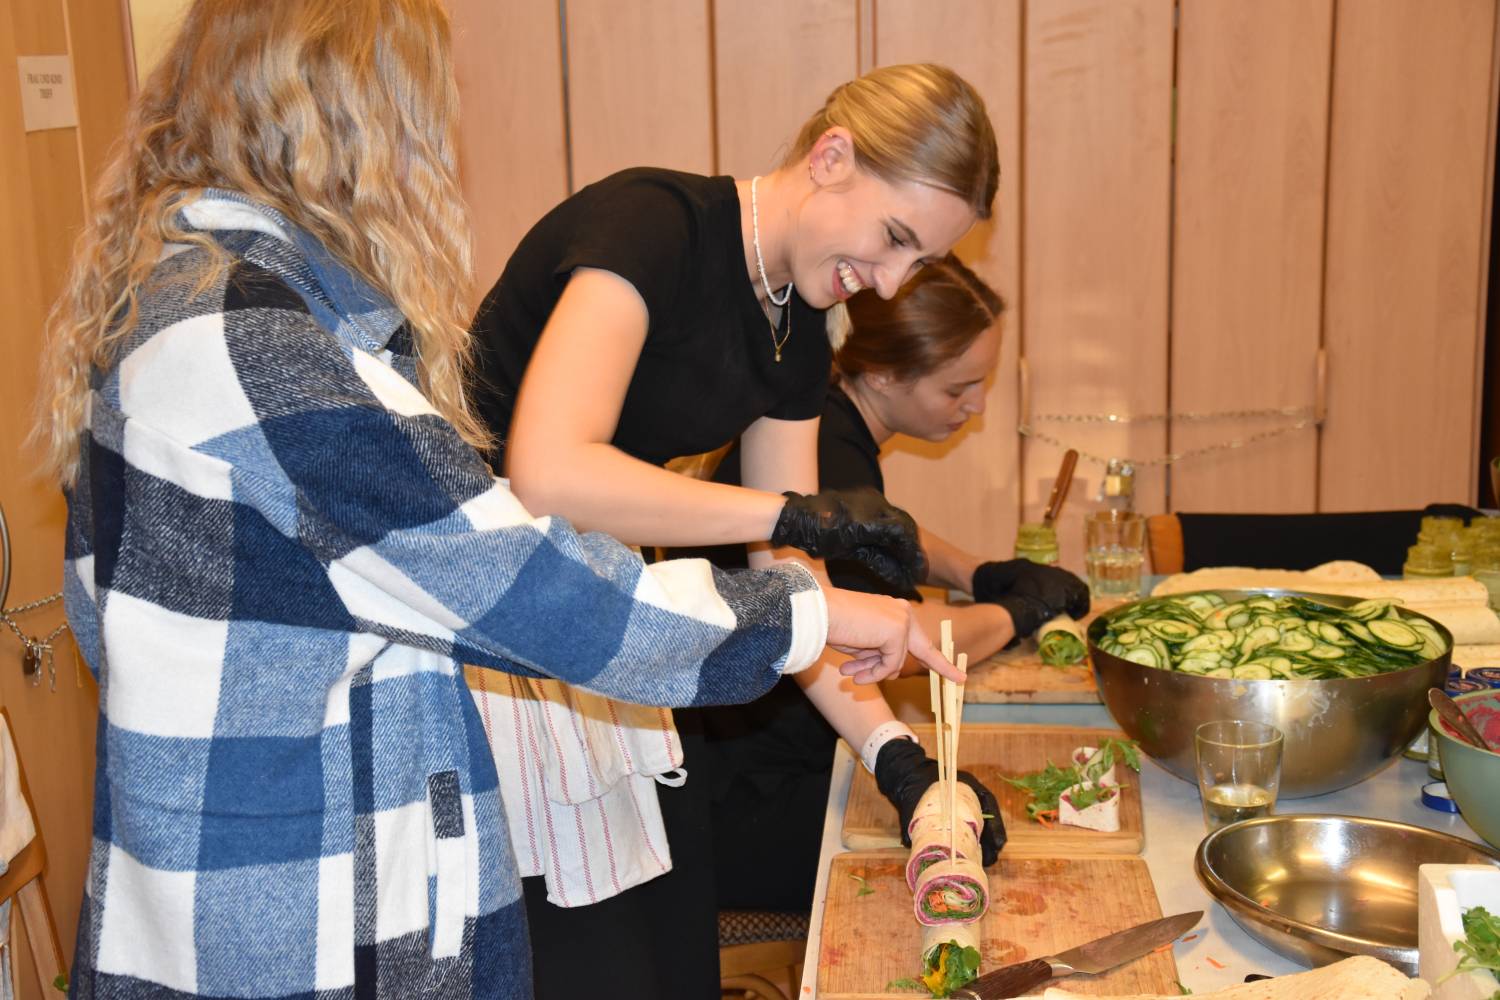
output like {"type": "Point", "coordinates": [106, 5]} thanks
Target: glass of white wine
{"type": "Point", "coordinates": [1239, 770]}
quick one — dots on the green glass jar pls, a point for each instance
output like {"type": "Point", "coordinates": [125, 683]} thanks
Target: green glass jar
{"type": "Point", "coordinates": [1487, 569]}
{"type": "Point", "coordinates": [1425, 560]}
{"type": "Point", "coordinates": [1435, 527]}
{"type": "Point", "coordinates": [1037, 541]}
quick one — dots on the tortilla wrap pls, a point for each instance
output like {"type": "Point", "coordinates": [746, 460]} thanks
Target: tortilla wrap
{"type": "Point", "coordinates": [951, 892]}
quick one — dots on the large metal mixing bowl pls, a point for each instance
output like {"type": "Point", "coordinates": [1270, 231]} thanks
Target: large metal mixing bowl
{"type": "Point", "coordinates": [1318, 889]}
{"type": "Point", "coordinates": [1337, 732]}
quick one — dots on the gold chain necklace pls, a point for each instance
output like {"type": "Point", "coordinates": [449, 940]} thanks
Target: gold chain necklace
{"type": "Point", "coordinates": [786, 295]}
{"type": "Point", "coordinates": [779, 344]}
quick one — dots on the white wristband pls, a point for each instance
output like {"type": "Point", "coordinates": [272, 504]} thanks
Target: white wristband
{"type": "Point", "coordinates": [883, 734]}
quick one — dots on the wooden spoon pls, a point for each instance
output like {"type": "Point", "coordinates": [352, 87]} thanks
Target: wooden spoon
{"type": "Point", "coordinates": [1060, 486]}
{"type": "Point", "coordinates": [1455, 717]}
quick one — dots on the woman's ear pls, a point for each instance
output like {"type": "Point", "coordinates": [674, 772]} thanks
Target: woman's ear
{"type": "Point", "coordinates": [831, 160]}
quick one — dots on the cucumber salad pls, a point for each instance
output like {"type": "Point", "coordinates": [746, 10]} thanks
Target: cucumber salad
{"type": "Point", "coordinates": [1266, 638]}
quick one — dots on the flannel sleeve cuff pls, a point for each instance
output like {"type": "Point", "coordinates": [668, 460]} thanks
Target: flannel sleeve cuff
{"type": "Point", "coordinates": [809, 619]}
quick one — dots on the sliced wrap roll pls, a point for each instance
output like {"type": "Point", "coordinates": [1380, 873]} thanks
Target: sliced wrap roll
{"type": "Point", "coordinates": [951, 892]}
{"type": "Point", "coordinates": [945, 967]}
{"type": "Point", "coordinates": [931, 806]}
{"type": "Point", "coordinates": [929, 845]}
{"type": "Point", "coordinates": [1060, 642]}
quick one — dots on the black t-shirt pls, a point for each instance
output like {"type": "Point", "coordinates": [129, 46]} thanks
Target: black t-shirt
{"type": "Point", "coordinates": [708, 369]}
{"type": "Point", "coordinates": [848, 458]}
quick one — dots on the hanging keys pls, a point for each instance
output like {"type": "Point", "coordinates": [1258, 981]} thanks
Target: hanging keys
{"type": "Point", "coordinates": [31, 663]}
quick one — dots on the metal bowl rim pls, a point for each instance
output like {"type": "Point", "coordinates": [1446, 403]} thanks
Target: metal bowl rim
{"type": "Point", "coordinates": [1432, 720]}
{"type": "Point", "coordinates": [1097, 627]}
{"type": "Point", "coordinates": [1232, 898]}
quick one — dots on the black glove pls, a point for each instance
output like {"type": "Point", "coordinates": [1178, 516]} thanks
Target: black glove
{"type": "Point", "coordinates": [854, 524]}
{"type": "Point", "coordinates": [903, 772]}
{"type": "Point", "coordinates": [1033, 594]}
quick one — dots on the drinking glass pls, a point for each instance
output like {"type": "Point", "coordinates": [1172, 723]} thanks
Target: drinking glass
{"type": "Point", "coordinates": [1239, 770]}
{"type": "Point", "coordinates": [1114, 551]}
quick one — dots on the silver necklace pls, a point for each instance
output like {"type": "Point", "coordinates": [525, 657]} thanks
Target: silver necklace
{"type": "Point", "coordinates": [759, 262]}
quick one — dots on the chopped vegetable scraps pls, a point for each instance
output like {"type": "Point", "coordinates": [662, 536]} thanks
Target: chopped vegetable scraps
{"type": "Point", "coordinates": [865, 888]}
{"type": "Point", "coordinates": [1047, 785]}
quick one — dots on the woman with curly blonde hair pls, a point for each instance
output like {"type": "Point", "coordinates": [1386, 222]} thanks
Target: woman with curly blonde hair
{"type": "Point", "coordinates": [282, 545]}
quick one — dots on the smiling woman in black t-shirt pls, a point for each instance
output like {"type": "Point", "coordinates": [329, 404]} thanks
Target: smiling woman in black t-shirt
{"type": "Point", "coordinates": [658, 314]}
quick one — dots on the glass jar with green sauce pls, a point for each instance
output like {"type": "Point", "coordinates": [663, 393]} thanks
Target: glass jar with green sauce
{"type": "Point", "coordinates": [1037, 541]}
{"type": "Point", "coordinates": [1427, 559]}
{"type": "Point", "coordinates": [1434, 527]}
{"type": "Point", "coordinates": [1487, 569]}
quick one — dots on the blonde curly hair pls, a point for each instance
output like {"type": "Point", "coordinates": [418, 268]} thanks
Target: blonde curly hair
{"type": "Point", "coordinates": [340, 114]}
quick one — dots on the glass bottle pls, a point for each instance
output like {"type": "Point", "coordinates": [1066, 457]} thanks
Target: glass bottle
{"type": "Point", "coordinates": [1037, 541]}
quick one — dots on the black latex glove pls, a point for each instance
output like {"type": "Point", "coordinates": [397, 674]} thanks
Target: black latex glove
{"type": "Point", "coordinates": [903, 772]}
{"type": "Point", "coordinates": [854, 524]}
{"type": "Point", "coordinates": [1033, 594]}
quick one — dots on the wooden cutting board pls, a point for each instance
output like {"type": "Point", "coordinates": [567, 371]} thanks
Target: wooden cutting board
{"type": "Point", "coordinates": [1019, 676]}
{"type": "Point", "coordinates": [1038, 906]}
{"type": "Point", "coordinates": [993, 752]}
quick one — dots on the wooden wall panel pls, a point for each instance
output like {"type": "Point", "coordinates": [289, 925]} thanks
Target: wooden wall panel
{"type": "Point", "coordinates": [512, 147]}
{"type": "Point", "coordinates": [775, 62]}
{"type": "Point", "coordinates": [1096, 146]}
{"type": "Point", "coordinates": [1411, 99]}
{"type": "Point", "coordinates": [41, 207]}
{"type": "Point", "coordinates": [640, 86]}
{"type": "Point", "coordinates": [1247, 255]}
{"type": "Point", "coordinates": [968, 488]}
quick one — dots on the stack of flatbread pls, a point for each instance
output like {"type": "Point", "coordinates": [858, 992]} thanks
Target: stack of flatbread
{"type": "Point", "coordinates": [1460, 603]}
{"type": "Point", "coordinates": [1358, 978]}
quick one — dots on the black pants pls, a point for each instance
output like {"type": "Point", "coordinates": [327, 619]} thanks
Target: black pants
{"type": "Point", "coordinates": [656, 941]}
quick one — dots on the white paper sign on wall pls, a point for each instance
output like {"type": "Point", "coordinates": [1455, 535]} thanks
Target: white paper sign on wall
{"type": "Point", "coordinates": [47, 92]}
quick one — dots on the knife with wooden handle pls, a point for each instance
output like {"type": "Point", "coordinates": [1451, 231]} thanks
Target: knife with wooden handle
{"type": "Point", "coordinates": [1097, 956]}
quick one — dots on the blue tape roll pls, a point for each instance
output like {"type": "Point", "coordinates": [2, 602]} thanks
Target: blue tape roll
{"type": "Point", "coordinates": [1435, 796]}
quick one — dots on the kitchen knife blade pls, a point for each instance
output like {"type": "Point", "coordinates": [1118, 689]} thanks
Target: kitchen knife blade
{"type": "Point", "coordinates": [1096, 956]}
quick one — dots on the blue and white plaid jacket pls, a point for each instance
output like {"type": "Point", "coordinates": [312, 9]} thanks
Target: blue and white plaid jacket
{"type": "Point", "coordinates": [278, 555]}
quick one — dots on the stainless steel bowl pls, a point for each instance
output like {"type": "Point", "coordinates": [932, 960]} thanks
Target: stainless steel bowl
{"type": "Point", "coordinates": [1321, 888]}
{"type": "Point", "coordinates": [1337, 732]}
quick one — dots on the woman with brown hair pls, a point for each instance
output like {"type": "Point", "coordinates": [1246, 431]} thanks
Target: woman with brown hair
{"type": "Point", "coordinates": [916, 364]}
{"type": "Point", "coordinates": [282, 542]}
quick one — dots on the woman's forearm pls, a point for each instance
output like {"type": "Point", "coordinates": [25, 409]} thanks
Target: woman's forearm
{"type": "Point", "coordinates": [947, 564]}
{"type": "Point", "coordinates": [853, 710]}
{"type": "Point", "coordinates": [641, 503]}
{"type": "Point", "coordinates": [980, 630]}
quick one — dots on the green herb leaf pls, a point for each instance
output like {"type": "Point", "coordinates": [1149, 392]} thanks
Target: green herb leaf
{"type": "Point", "coordinates": [1480, 948]}
{"type": "Point", "coordinates": [60, 982]}
{"type": "Point", "coordinates": [865, 889]}
{"type": "Point", "coordinates": [1060, 648]}
{"type": "Point", "coordinates": [1183, 989]}
{"type": "Point", "coordinates": [906, 984]}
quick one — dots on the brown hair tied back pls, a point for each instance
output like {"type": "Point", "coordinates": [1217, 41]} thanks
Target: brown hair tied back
{"type": "Point", "coordinates": [919, 122]}
{"type": "Point", "coordinates": [934, 318]}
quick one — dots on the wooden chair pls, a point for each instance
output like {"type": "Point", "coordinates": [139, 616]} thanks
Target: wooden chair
{"type": "Point", "coordinates": [1164, 543]}
{"type": "Point", "coordinates": [754, 945]}
{"type": "Point", "coordinates": [22, 882]}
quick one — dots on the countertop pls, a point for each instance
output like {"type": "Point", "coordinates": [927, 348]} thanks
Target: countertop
{"type": "Point", "coordinates": [1173, 827]}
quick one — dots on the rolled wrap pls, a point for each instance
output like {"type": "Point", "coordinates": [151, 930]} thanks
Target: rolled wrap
{"type": "Point", "coordinates": [1061, 642]}
{"type": "Point", "coordinates": [940, 977]}
{"type": "Point", "coordinates": [929, 845]}
{"type": "Point", "coordinates": [931, 807]}
{"type": "Point", "coordinates": [951, 892]}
